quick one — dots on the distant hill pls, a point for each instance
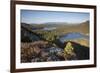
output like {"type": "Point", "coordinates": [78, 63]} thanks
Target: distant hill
{"type": "Point", "coordinates": [56, 23]}
{"type": "Point", "coordinates": [61, 28]}
{"type": "Point", "coordinates": [84, 26]}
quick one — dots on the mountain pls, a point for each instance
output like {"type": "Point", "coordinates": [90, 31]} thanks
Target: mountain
{"type": "Point", "coordinates": [84, 26]}
{"type": "Point", "coordinates": [56, 23]}
{"type": "Point", "coordinates": [61, 29]}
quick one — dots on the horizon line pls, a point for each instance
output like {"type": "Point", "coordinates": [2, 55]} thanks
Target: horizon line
{"type": "Point", "coordinates": [57, 22]}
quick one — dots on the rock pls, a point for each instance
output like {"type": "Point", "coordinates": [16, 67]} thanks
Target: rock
{"type": "Point", "coordinates": [53, 58]}
{"type": "Point", "coordinates": [44, 54]}
{"type": "Point", "coordinates": [55, 50]}
{"type": "Point", "coordinates": [37, 50]}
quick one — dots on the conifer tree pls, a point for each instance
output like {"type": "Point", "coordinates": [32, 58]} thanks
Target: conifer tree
{"type": "Point", "coordinates": [69, 48]}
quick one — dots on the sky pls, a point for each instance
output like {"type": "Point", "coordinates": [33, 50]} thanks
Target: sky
{"type": "Point", "coordinates": [38, 17]}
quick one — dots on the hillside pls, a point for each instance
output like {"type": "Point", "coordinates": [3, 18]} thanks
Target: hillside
{"type": "Point", "coordinates": [43, 51]}
{"type": "Point", "coordinates": [82, 52]}
{"type": "Point", "coordinates": [41, 42]}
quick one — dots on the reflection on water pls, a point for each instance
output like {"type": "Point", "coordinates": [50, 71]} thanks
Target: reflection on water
{"type": "Point", "coordinates": [72, 36]}
{"type": "Point", "coordinates": [45, 28]}
{"type": "Point", "coordinates": [50, 28]}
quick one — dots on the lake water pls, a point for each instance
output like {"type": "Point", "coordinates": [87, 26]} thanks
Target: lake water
{"type": "Point", "coordinates": [45, 28]}
{"type": "Point", "coordinates": [72, 36]}
{"type": "Point", "coordinates": [49, 28]}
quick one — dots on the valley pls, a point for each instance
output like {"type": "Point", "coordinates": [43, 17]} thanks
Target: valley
{"type": "Point", "coordinates": [53, 42]}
